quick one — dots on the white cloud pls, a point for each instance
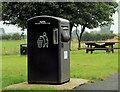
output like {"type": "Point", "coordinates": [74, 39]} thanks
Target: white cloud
{"type": "Point", "coordinates": [117, 0]}
{"type": "Point", "coordinates": [10, 28]}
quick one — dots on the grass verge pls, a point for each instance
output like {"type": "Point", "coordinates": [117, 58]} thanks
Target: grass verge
{"type": "Point", "coordinates": [94, 66]}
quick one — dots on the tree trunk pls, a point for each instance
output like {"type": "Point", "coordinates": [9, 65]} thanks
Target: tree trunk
{"type": "Point", "coordinates": [82, 30]}
{"type": "Point", "coordinates": [79, 45]}
{"type": "Point", "coordinates": [77, 37]}
{"type": "Point", "coordinates": [71, 26]}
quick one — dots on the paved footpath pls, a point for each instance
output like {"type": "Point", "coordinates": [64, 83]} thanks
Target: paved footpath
{"type": "Point", "coordinates": [110, 83]}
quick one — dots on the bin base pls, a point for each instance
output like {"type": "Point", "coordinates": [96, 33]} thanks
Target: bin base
{"type": "Point", "coordinates": [48, 82]}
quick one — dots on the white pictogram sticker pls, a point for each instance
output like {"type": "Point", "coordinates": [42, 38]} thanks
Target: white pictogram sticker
{"type": "Point", "coordinates": [43, 41]}
{"type": "Point", "coordinates": [65, 54]}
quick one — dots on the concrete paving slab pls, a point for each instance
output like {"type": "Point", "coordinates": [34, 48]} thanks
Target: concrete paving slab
{"type": "Point", "coordinates": [74, 82]}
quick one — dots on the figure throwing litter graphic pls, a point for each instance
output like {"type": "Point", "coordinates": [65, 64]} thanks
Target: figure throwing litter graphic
{"type": "Point", "coordinates": [43, 41]}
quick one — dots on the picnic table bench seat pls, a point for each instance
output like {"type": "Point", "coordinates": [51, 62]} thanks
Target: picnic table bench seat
{"type": "Point", "coordinates": [100, 47]}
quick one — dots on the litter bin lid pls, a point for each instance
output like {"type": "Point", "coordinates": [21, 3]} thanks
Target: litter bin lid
{"type": "Point", "coordinates": [58, 18]}
{"type": "Point", "coordinates": [23, 44]}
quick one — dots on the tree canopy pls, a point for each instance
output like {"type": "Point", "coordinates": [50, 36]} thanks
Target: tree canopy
{"type": "Point", "coordinates": [87, 14]}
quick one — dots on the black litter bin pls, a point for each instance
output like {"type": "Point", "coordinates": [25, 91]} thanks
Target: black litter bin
{"type": "Point", "coordinates": [23, 49]}
{"type": "Point", "coordinates": [48, 50]}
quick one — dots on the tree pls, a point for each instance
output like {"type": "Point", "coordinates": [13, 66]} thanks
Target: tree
{"type": "Point", "coordinates": [17, 13]}
{"type": "Point", "coordinates": [92, 15]}
{"type": "Point", "coordinates": [88, 15]}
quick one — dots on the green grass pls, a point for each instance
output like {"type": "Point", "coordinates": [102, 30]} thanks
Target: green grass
{"type": "Point", "coordinates": [11, 46]}
{"type": "Point", "coordinates": [14, 69]}
{"type": "Point", "coordinates": [40, 88]}
{"type": "Point", "coordinates": [94, 66]}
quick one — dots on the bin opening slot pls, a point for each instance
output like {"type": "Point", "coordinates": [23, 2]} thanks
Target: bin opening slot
{"type": "Point", "coordinates": [55, 36]}
{"type": "Point", "coordinates": [65, 34]}
{"type": "Point", "coordinates": [65, 27]}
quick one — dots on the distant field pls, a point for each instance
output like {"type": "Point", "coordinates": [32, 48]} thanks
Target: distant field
{"type": "Point", "coordinates": [11, 46]}
{"type": "Point", "coordinates": [94, 66]}
{"type": "Point", "coordinates": [74, 44]}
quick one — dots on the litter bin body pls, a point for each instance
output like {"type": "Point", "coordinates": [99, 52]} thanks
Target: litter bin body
{"type": "Point", "coordinates": [23, 49]}
{"type": "Point", "coordinates": [48, 50]}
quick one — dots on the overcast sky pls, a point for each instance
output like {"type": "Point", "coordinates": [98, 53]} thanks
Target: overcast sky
{"type": "Point", "coordinates": [12, 28]}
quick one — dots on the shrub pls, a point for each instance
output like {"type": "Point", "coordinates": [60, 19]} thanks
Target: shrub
{"type": "Point", "coordinates": [118, 37]}
{"type": "Point", "coordinates": [6, 37]}
{"type": "Point", "coordinates": [16, 36]}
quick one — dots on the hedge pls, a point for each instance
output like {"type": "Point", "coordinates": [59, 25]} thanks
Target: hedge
{"type": "Point", "coordinates": [14, 36]}
{"type": "Point", "coordinates": [97, 36]}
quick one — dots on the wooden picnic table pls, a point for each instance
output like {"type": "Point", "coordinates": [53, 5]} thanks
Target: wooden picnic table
{"type": "Point", "coordinates": [91, 46]}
